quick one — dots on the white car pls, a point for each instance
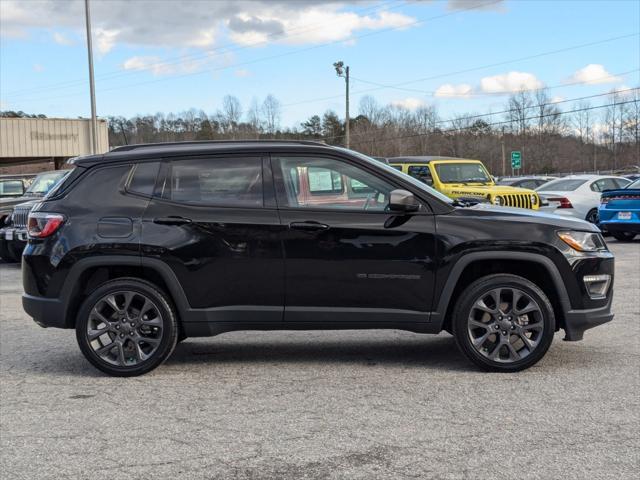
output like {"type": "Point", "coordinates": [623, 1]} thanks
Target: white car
{"type": "Point", "coordinates": [578, 196]}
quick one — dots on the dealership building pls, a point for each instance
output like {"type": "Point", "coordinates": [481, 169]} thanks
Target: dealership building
{"type": "Point", "coordinates": [31, 145]}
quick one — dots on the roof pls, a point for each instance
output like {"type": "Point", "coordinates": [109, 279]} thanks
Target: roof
{"type": "Point", "coordinates": [157, 150]}
{"type": "Point", "coordinates": [422, 159]}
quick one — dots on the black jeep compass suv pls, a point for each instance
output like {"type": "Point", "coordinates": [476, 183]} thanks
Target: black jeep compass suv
{"type": "Point", "coordinates": [149, 244]}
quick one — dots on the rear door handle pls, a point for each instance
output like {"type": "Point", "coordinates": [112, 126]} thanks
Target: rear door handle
{"type": "Point", "coordinates": [308, 226]}
{"type": "Point", "coordinates": [172, 220]}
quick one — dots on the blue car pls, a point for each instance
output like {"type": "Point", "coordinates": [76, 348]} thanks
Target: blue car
{"type": "Point", "coordinates": [620, 212]}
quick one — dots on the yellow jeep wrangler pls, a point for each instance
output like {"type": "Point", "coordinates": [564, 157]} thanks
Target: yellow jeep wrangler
{"type": "Point", "coordinates": [460, 178]}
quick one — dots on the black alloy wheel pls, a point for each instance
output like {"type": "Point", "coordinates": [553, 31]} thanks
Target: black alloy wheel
{"type": "Point", "coordinates": [127, 327]}
{"type": "Point", "coordinates": [503, 323]}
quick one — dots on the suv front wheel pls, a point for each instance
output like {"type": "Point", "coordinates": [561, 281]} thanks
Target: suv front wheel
{"type": "Point", "coordinates": [503, 323]}
{"type": "Point", "coordinates": [126, 327]}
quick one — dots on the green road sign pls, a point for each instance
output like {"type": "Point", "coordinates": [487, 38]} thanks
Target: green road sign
{"type": "Point", "coordinates": [516, 160]}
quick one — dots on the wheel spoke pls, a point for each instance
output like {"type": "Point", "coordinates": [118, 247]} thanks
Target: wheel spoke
{"type": "Point", "coordinates": [533, 326]}
{"type": "Point", "coordinates": [516, 296]}
{"type": "Point", "coordinates": [106, 349]}
{"type": "Point", "coordinates": [481, 305]}
{"type": "Point", "coordinates": [479, 341]}
{"type": "Point", "coordinates": [513, 354]}
{"type": "Point", "coordinates": [92, 334]}
{"type": "Point", "coordinates": [527, 341]}
{"type": "Point", "coordinates": [121, 359]}
{"type": "Point", "coordinates": [477, 324]}
{"type": "Point", "coordinates": [111, 301]}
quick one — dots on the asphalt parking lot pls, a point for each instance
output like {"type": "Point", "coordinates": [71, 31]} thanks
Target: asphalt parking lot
{"type": "Point", "coordinates": [355, 404]}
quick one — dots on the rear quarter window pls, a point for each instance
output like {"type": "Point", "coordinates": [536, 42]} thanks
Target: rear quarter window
{"type": "Point", "coordinates": [143, 178]}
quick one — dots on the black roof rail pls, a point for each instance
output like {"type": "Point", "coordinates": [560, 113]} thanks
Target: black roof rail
{"type": "Point", "coordinates": [125, 148]}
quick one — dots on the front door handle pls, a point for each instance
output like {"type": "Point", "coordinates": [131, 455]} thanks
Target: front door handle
{"type": "Point", "coordinates": [172, 220]}
{"type": "Point", "coordinates": [308, 226]}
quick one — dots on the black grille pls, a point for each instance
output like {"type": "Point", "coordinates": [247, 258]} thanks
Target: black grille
{"type": "Point", "coordinates": [517, 200]}
{"type": "Point", "coordinates": [20, 216]}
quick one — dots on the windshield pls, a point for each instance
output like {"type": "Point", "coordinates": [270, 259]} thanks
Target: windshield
{"type": "Point", "coordinates": [407, 178]}
{"type": "Point", "coordinates": [563, 185]}
{"type": "Point", "coordinates": [635, 184]}
{"type": "Point", "coordinates": [45, 182]}
{"type": "Point", "coordinates": [462, 173]}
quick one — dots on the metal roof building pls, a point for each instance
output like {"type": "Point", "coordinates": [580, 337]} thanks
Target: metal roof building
{"type": "Point", "coordinates": [46, 143]}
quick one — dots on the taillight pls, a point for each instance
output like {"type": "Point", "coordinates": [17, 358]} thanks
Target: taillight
{"type": "Point", "coordinates": [604, 200]}
{"type": "Point", "coordinates": [564, 202]}
{"type": "Point", "coordinates": [44, 224]}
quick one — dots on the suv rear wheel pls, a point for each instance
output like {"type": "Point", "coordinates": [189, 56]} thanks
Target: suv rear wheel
{"type": "Point", "coordinates": [126, 327]}
{"type": "Point", "coordinates": [624, 236]}
{"type": "Point", "coordinates": [503, 323]}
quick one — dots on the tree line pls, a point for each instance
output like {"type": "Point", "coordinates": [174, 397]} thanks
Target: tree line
{"type": "Point", "coordinates": [553, 136]}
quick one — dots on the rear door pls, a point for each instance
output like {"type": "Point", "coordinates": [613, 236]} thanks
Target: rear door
{"type": "Point", "coordinates": [348, 259]}
{"type": "Point", "coordinates": [214, 222]}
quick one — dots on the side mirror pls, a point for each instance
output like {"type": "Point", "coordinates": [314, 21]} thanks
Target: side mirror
{"type": "Point", "coordinates": [403, 201]}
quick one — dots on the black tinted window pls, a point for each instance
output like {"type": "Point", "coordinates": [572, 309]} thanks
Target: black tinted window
{"type": "Point", "coordinates": [225, 182]}
{"type": "Point", "coordinates": [143, 178]}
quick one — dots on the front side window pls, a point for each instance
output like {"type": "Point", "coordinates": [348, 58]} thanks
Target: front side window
{"type": "Point", "coordinates": [215, 181]}
{"type": "Point", "coordinates": [462, 173]}
{"type": "Point", "coordinates": [326, 183]}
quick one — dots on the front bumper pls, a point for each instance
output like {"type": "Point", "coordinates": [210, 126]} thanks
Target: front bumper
{"type": "Point", "coordinates": [578, 321]}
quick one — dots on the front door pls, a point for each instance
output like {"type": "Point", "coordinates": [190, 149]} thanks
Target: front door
{"type": "Point", "coordinates": [347, 258]}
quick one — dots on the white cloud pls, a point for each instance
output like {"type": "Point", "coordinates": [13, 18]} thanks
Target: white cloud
{"type": "Point", "coordinates": [410, 103]}
{"type": "Point", "coordinates": [449, 90]}
{"type": "Point", "coordinates": [242, 72]}
{"type": "Point", "coordinates": [62, 39]}
{"type": "Point", "coordinates": [105, 39]}
{"type": "Point", "coordinates": [38, 68]}
{"type": "Point", "coordinates": [510, 82]}
{"type": "Point", "coordinates": [157, 66]}
{"type": "Point", "coordinates": [192, 23]}
{"type": "Point", "coordinates": [557, 99]}
{"type": "Point", "coordinates": [594, 74]}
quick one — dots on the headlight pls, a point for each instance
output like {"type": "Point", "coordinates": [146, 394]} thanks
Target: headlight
{"type": "Point", "coordinates": [583, 241]}
{"type": "Point", "coordinates": [498, 200]}
{"type": "Point", "coordinates": [534, 199]}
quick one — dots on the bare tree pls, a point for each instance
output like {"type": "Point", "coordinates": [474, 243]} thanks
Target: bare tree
{"type": "Point", "coordinates": [271, 110]}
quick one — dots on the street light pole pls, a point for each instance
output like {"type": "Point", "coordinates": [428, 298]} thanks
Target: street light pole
{"type": "Point", "coordinates": [343, 71]}
{"type": "Point", "coordinates": [92, 90]}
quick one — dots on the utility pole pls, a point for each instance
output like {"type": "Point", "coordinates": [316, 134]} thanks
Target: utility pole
{"type": "Point", "coordinates": [343, 71]}
{"type": "Point", "coordinates": [504, 158]}
{"type": "Point", "coordinates": [92, 90]}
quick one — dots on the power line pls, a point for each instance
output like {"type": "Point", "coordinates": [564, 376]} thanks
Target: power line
{"type": "Point", "coordinates": [332, 97]}
{"type": "Point", "coordinates": [281, 55]}
{"type": "Point", "coordinates": [482, 67]}
{"type": "Point", "coordinates": [457, 129]}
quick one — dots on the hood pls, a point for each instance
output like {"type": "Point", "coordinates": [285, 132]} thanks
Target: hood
{"type": "Point", "coordinates": [7, 204]}
{"type": "Point", "coordinates": [493, 188]}
{"type": "Point", "coordinates": [526, 216]}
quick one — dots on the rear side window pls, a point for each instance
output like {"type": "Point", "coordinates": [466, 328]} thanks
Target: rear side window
{"type": "Point", "coordinates": [215, 181]}
{"type": "Point", "coordinates": [323, 181]}
{"type": "Point", "coordinates": [143, 178]}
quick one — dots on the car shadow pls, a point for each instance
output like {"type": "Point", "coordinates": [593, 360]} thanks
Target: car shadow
{"type": "Point", "coordinates": [411, 351]}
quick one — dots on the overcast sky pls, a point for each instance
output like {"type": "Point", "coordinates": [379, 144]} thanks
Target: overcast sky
{"type": "Point", "coordinates": [165, 55]}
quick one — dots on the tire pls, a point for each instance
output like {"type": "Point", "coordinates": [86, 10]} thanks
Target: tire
{"type": "Point", "coordinates": [624, 236]}
{"type": "Point", "coordinates": [138, 321]}
{"type": "Point", "coordinates": [501, 330]}
{"type": "Point", "coordinates": [592, 216]}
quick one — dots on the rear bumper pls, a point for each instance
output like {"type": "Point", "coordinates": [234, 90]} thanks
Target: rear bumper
{"type": "Point", "coordinates": [578, 321]}
{"type": "Point", "coordinates": [621, 227]}
{"type": "Point", "coordinates": [46, 312]}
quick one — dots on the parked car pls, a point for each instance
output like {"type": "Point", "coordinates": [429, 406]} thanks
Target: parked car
{"type": "Point", "coordinates": [464, 179]}
{"type": "Point", "coordinates": [14, 211]}
{"type": "Point", "coordinates": [146, 245]}
{"type": "Point", "coordinates": [578, 196]}
{"type": "Point", "coordinates": [14, 185]}
{"type": "Point", "coordinates": [620, 212]}
{"type": "Point", "coordinates": [531, 182]}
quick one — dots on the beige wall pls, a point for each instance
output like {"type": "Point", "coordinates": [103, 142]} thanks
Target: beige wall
{"type": "Point", "coordinates": [49, 137]}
